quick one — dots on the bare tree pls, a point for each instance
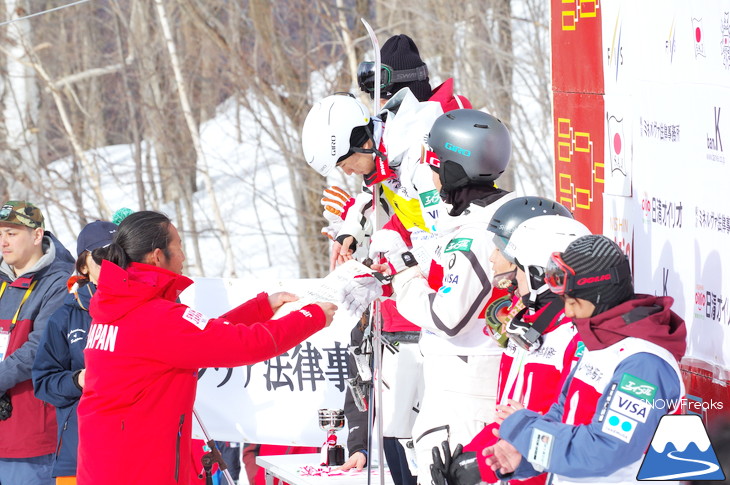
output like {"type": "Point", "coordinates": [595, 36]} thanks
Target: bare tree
{"type": "Point", "coordinates": [150, 75]}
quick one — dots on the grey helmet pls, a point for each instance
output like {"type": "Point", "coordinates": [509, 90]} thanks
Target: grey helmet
{"type": "Point", "coordinates": [473, 147]}
{"type": "Point", "coordinates": [516, 211]}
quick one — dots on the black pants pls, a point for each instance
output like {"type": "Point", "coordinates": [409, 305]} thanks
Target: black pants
{"type": "Point", "coordinates": [395, 456]}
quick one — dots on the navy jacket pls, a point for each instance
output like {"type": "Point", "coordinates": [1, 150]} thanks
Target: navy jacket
{"type": "Point", "coordinates": [38, 293]}
{"type": "Point", "coordinates": [60, 355]}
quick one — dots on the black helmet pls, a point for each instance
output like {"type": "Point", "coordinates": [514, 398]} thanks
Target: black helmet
{"type": "Point", "coordinates": [473, 147]}
{"type": "Point", "coordinates": [516, 211]}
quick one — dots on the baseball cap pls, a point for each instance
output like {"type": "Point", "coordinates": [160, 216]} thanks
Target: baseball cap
{"type": "Point", "coordinates": [21, 213]}
{"type": "Point", "coordinates": [95, 235]}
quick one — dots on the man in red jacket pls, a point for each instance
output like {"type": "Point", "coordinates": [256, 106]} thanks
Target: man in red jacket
{"type": "Point", "coordinates": [144, 350]}
{"type": "Point", "coordinates": [33, 273]}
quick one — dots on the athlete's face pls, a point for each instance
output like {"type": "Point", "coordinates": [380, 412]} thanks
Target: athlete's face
{"type": "Point", "coordinates": [578, 308]}
{"type": "Point", "coordinates": [359, 163]}
{"type": "Point", "coordinates": [499, 263]}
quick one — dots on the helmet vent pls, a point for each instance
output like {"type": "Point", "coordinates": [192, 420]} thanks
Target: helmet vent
{"type": "Point", "coordinates": [477, 125]}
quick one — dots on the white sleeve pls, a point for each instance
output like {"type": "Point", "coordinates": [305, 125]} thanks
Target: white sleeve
{"type": "Point", "coordinates": [357, 221]}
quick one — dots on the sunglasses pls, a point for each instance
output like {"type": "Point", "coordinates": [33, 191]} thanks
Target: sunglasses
{"type": "Point", "coordinates": [562, 280]}
{"type": "Point", "coordinates": [388, 76]}
{"type": "Point", "coordinates": [7, 211]}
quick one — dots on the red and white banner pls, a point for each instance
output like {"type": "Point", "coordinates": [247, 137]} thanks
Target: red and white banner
{"type": "Point", "coordinates": [639, 131]}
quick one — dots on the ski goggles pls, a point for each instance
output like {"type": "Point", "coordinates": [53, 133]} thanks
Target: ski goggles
{"type": "Point", "coordinates": [388, 76]}
{"type": "Point", "coordinates": [562, 280]}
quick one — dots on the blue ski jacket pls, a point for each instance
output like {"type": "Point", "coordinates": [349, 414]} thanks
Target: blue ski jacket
{"type": "Point", "coordinates": [60, 357]}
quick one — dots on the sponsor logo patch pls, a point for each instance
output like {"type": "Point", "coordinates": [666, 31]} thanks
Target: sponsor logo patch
{"type": "Point", "coordinates": [630, 406]}
{"type": "Point", "coordinates": [619, 426]}
{"type": "Point", "coordinates": [430, 198]}
{"type": "Point", "coordinates": [196, 318]}
{"type": "Point", "coordinates": [637, 387]}
{"type": "Point", "coordinates": [458, 244]}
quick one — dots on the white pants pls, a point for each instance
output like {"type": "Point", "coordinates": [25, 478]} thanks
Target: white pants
{"type": "Point", "coordinates": [459, 400]}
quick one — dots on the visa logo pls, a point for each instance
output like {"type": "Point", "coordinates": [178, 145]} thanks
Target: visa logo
{"type": "Point", "coordinates": [630, 406]}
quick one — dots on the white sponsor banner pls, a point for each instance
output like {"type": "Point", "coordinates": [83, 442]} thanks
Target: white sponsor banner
{"type": "Point", "coordinates": [275, 401]}
{"type": "Point", "coordinates": [667, 103]}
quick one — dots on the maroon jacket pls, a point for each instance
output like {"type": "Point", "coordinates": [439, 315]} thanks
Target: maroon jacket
{"type": "Point", "coordinates": [142, 358]}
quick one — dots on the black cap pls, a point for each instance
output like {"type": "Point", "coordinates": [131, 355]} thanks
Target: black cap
{"type": "Point", "coordinates": [400, 53]}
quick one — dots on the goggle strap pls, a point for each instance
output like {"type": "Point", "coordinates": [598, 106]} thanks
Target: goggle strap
{"type": "Point", "coordinates": [612, 276]}
{"type": "Point", "coordinates": [419, 73]}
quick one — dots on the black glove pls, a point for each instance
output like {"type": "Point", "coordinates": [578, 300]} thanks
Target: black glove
{"type": "Point", "coordinates": [464, 469]}
{"type": "Point", "coordinates": [6, 409]}
{"type": "Point", "coordinates": [440, 467]}
{"type": "Point", "coordinates": [458, 468]}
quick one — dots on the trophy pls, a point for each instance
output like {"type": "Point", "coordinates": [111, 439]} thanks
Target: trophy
{"type": "Point", "coordinates": [331, 420]}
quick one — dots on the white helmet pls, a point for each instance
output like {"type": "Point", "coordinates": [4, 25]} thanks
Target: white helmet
{"type": "Point", "coordinates": [327, 130]}
{"type": "Point", "coordinates": [535, 240]}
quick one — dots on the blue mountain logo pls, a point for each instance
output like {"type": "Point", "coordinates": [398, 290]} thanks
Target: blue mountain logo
{"type": "Point", "coordinates": [680, 450]}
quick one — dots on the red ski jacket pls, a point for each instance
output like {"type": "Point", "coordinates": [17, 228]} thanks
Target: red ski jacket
{"type": "Point", "coordinates": [142, 357]}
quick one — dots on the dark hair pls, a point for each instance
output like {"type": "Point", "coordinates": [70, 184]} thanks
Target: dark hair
{"type": "Point", "coordinates": [80, 264]}
{"type": "Point", "coordinates": [139, 234]}
{"type": "Point", "coordinates": [100, 254]}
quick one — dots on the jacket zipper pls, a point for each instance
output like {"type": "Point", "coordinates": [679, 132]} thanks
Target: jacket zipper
{"type": "Point", "coordinates": [177, 447]}
{"type": "Point", "coordinates": [60, 440]}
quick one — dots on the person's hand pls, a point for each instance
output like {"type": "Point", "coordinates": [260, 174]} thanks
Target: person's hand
{"type": "Point", "coordinates": [81, 378]}
{"type": "Point", "coordinates": [341, 252]}
{"type": "Point", "coordinates": [381, 268]}
{"type": "Point", "coordinates": [440, 466]}
{"type": "Point", "coordinates": [358, 460]}
{"type": "Point", "coordinates": [329, 310]}
{"type": "Point", "coordinates": [276, 300]}
{"type": "Point", "coordinates": [502, 456]}
{"type": "Point", "coordinates": [457, 468]}
{"type": "Point", "coordinates": [359, 292]}
{"type": "Point", "coordinates": [505, 410]}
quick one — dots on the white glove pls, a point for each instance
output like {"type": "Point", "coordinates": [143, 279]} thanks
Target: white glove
{"type": "Point", "coordinates": [359, 292]}
{"type": "Point", "coordinates": [336, 202]}
{"type": "Point", "coordinates": [388, 242]}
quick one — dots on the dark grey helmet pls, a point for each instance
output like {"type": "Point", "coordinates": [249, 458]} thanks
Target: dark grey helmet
{"type": "Point", "coordinates": [516, 211]}
{"type": "Point", "coordinates": [474, 147]}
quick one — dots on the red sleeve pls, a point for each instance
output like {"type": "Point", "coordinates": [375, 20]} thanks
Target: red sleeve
{"type": "Point", "coordinates": [225, 342]}
{"type": "Point", "coordinates": [254, 310]}
{"type": "Point", "coordinates": [395, 224]}
{"type": "Point", "coordinates": [484, 439]}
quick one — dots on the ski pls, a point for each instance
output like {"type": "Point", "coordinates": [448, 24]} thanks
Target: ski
{"type": "Point", "coordinates": [375, 411]}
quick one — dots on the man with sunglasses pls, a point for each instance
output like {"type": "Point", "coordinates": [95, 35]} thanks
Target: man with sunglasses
{"type": "Point", "coordinates": [606, 416]}
{"type": "Point", "coordinates": [33, 273]}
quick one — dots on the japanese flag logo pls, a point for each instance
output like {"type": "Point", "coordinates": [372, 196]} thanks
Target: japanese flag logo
{"type": "Point", "coordinates": [616, 144]}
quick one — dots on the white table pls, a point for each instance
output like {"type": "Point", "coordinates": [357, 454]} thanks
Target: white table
{"type": "Point", "coordinates": [285, 468]}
